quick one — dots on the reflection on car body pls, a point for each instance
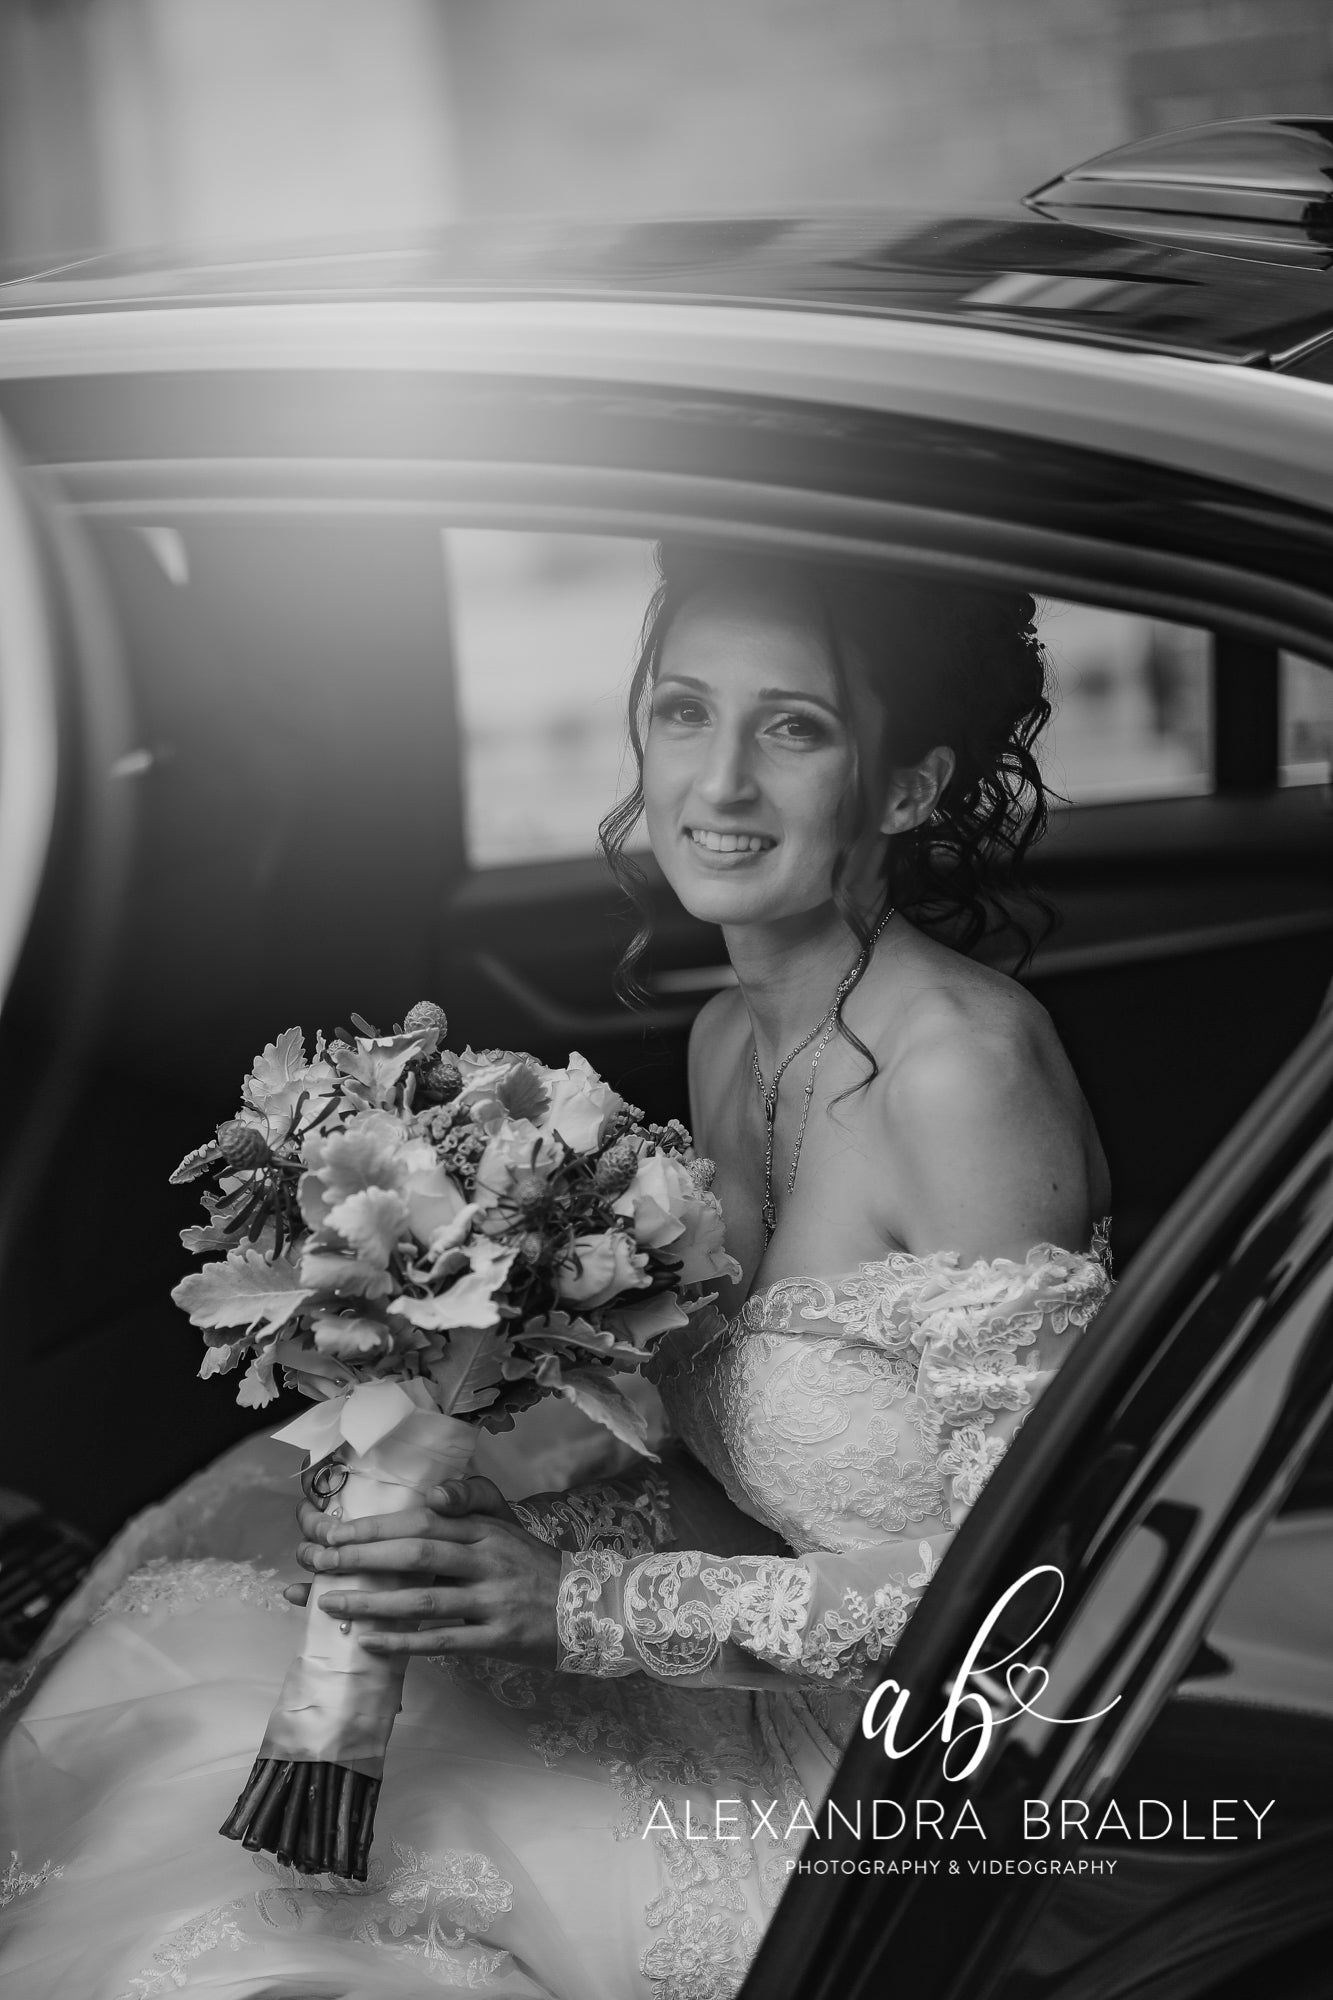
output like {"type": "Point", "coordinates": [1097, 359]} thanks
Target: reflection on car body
{"type": "Point", "coordinates": [302, 567]}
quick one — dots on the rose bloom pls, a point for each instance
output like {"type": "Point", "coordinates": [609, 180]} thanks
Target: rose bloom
{"type": "Point", "coordinates": [582, 1106]}
{"type": "Point", "coordinates": [607, 1264]}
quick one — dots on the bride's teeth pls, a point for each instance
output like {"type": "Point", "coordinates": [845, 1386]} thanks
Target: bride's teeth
{"type": "Point", "coordinates": [727, 843]}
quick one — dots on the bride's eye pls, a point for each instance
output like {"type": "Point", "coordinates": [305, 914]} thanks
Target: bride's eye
{"type": "Point", "coordinates": [678, 708]}
{"type": "Point", "coordinates": [797, 727]}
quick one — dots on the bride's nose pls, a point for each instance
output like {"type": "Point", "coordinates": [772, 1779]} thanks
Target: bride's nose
{"type": "Point", "coordinates": [727, 774]}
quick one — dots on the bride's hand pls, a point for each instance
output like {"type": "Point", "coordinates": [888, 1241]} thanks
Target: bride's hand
{"type": "Point", "coordinates": [487, 1586]}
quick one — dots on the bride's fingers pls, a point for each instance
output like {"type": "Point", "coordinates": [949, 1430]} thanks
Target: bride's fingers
{"type": "Point", "coordinates": [410, 1605]}
{"type": "Point", "coordinates": [413, 1554]}
{"type": "Point", "coordinates": [413, 1523]}
{"type": "Point", "coordinates": [473, 1495]}
{"type": "Point", "coordinates": [297, 1593]}
{"type": "Point", "coordinates": [467, 1638]}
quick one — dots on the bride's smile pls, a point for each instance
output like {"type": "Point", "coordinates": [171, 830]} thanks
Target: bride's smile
{"type": "Point", "coordinates": [747, 760]}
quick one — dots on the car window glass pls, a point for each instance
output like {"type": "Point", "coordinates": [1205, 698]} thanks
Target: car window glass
{"type": "Point", "coordinates": [1305, 721]}
{"type": "Point", "coordinates": [1132, 705]}
{"type": "Point", "coordinates": [546, 631]}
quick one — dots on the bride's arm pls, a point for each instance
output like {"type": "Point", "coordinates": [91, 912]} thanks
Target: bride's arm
{"type": "Point", "coordinates": [989, 1337]}
{"type": "Point", "coordinates": [672, 1504]}
{"type": "Point", "coordinates": [983, 1162]}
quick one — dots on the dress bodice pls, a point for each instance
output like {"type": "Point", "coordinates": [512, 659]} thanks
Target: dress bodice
{"type": "Point", "coordinates": [843, 1411]}
{"type": "Point", "coordinates": [859, 1416]}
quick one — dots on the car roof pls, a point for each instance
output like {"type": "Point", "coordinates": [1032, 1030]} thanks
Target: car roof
{"type": "Point", "coordinates": [1016, 270]}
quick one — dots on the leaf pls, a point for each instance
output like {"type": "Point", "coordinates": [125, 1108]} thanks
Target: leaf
{"type": "Point", "coordinates": [198, 1238]}
{"type": "Point", "coordinates": [589, 1391]}
{"type": "Point", "coordinates": [374, 1068]}
{"type": "Point", "coordinates": [278, 1064]}
{"type": "Point", "coordinates": [196, 1163]}
{"type": "Point", "coordinates": [221, 1360]}
{"type": "Point", "coordinates": [523, 1093]}
{"type": "Point", "coordinates": [248, 1289]}
{"type": "Point", "coordinates": [256, 1388]}
{"type": "Point", "coordinates": [470, 1371]}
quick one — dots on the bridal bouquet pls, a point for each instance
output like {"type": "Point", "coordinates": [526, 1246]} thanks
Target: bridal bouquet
{"type": "Point", "coordinates": [422, 1242]}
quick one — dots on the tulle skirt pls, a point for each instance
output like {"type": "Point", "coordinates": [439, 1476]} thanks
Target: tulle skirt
{"type": "Point", "coordinates": [539, 1836]}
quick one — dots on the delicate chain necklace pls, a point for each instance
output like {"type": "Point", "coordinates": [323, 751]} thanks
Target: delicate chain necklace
{"type": "Point", "coordinates": [769, 1091]}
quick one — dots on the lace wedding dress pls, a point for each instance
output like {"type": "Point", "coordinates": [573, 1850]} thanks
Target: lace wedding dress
{"type": "Point", "coordinates": [531, 1830]}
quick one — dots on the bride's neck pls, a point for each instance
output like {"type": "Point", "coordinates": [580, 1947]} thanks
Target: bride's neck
{"type": "Point", "coordinates": [788, 975]}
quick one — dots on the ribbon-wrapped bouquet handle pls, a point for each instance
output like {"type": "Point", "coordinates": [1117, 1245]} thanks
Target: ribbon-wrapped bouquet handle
{"type": "Point", "coordinates": [422, 1242]}
{"type": "Point", "coordinates": [312, 1793]}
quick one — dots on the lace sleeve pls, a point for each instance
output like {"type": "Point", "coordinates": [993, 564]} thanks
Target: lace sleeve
{"type": "Point", "coordinates": [987, 1339]}
{"type": "Point", "coordinates": [631, 1514]}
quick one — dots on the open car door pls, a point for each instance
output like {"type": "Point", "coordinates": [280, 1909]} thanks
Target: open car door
{"type": "Point", "coordinates": [1146, 1477]}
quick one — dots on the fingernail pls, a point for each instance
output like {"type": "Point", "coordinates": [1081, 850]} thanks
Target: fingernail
{"type": "Point", "coordinates": [332, 1601]}
{"type": "Point", "coordinates": [336, 1536]}
{"type": "Point", "coordinates": [324, 1559]}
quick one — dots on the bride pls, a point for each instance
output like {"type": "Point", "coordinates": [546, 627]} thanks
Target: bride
{"type": "Point", "coordinates": [828, 762]}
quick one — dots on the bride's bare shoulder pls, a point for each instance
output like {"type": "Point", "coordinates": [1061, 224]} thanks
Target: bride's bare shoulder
{"type": "Point", "coordinates": [720, 1029]}
{"type": "Point", "coordinates": [993, 1145]}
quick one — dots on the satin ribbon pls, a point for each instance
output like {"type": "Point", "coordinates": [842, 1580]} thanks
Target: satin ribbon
{"type": "Point", "coordinates": [338, 1701]}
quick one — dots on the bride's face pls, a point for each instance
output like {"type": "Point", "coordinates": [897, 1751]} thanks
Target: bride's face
{"type": "Point", "coordinates": [749, 760]}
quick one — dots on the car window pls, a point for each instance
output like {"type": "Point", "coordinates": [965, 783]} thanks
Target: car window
{"type": "Point", "coordinates": [1305, 721]}
{"type": "Point", "coordinates": [1132, 704]}
{"type": "Point", "coordinates": [546, 630]}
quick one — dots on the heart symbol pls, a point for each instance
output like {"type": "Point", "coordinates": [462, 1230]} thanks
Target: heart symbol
{"type": "Point", "coordinates": [1029, 1675]}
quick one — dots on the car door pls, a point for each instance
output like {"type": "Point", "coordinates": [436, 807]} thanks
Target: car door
{"type": "Point", "coordinates": [1177, 1639]}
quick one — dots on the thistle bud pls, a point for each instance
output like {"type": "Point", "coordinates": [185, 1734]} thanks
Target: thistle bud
{"type": "Point", "coordinates": [241, 1146]}
{"type": "Point", "coordinates": [702, 1172]}
{"type": "Point", "coordinates": [617, 1168]}
{"type": "Point", "coordinates": [426, 1015]}
{"type": "Point", "coordinates": [440, 1081]}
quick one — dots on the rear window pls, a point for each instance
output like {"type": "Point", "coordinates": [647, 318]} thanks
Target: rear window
{"type": "Point", "coordinates": [1133, 706]}
{"type": "Point", "coordinates": [545, 631]}
{"type": "Point", "coordinates": [1305, 721]}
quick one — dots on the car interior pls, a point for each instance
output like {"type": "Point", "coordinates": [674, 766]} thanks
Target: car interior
{"type": "Point", "coordinates": [336, 736]}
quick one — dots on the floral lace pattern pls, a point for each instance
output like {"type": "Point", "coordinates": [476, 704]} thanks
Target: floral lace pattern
{"type": "Point", "coordinates": [211, 1931]}
{"type": "Point", "coordinates": [17, 1881]}
{"type": "Point", "coordinates": [860, 1417]}
{"type": "Point", "coordinates": [428, 1908]}
{"type": "Point", "coordinates": [632, 1515]}
{"type": "Point", "coordinates": [163, 1588]}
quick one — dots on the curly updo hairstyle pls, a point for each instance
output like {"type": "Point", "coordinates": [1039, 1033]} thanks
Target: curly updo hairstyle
{"type": "Point", "coordinates": [948, 663]}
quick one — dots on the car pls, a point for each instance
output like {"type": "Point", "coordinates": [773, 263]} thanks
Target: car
{"type": "Point", "coordinates": [301, 559]}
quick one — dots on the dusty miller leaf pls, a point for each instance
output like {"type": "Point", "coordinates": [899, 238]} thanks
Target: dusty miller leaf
{"type": "Point", "coordinates": [589, 1390]}
{"type": "Point", "coordinates": [246, 1289]}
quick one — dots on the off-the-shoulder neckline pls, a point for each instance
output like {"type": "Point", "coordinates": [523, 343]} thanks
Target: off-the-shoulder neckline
{"type": "Point", "coordinates": [940, 1262]}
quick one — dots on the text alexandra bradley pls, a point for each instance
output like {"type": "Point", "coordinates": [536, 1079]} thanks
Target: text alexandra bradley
{"type": "Point", "coordinates": [886, 1819]}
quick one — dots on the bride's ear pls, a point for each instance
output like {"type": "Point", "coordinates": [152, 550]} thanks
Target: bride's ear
{"type": "Point", "coordinates": [915, 790]}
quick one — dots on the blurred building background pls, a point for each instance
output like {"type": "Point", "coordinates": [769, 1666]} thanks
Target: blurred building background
{"type": "Point", "coordinates": [195, 126]}
{"type": "Point", "coordinates": [128, 124]}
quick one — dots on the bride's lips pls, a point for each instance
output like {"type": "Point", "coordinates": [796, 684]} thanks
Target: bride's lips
{"type": "Point", "coordinates": [726, 848]}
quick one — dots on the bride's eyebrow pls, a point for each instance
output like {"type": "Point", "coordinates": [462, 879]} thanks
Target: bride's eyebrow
{"type": "Point", "coordinates": [796, 694]}
{"type": "Point", "coordinates": [765, 694]}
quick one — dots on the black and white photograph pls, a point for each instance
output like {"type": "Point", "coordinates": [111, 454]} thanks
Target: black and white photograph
{"type": "Point", "coordinates": [666, 999]}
